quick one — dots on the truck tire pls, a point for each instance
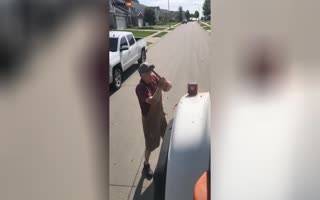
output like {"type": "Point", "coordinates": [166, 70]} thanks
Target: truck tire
{"type": "Point", "coordinates": [143, 56]}
{"type": "Point", "coordinates": [117, 78]}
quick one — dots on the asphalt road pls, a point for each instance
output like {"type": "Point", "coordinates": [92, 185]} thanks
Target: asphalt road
{"type": "Point", "coordinates": [181, 56]}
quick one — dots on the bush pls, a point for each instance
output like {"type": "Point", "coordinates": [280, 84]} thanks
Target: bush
{"type": "Point", "coordinates": [149, 16]}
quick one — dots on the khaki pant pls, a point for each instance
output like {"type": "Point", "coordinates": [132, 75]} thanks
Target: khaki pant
{"type": "Point", "coordinates": [154, 126]}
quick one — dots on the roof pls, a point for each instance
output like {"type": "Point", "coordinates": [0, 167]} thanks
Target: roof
{"type": "Point", "coordinates": [135, 9]}
{"type": "Point", "coordinates": [138, 8]}
{"type": "Point", "coordinates": [155, 7]}
{"type": "Point", "coordinates": [116, 34]}
{"type": "Point", "coordinates": [164, 10]}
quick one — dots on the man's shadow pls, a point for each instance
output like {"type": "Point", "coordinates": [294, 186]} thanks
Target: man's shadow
{"type": "Point", "coordinates": [147, 194]}
{"type": "Point", "coordinates": [156, 189]}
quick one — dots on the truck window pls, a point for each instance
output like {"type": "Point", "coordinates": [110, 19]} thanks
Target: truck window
{"type": "Point", "coordinates": [123, 42]}
{"type": "Point", "coordinates": [130, 39]}
{"type": "Point", "coordinates": [113, 44]}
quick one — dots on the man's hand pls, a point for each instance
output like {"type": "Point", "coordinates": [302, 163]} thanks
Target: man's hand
{"type": "Point", "coordinates": [164, 84]}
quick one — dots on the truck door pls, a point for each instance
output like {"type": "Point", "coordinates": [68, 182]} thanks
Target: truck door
{"type": "Point", "coordinates": [124, 55]}
{"type": "Point", "coordinates": [134, 51]}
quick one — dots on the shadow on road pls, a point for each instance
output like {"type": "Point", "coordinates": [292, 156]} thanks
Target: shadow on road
{"type": "Point", "coordinates": [147, 194]}
{"type": "Point", "coordinates": [156, 189]}
{"type": "Point", "coordinates": [125, 76]}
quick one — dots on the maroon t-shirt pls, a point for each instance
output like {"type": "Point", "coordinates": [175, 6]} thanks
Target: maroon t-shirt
{"type": "Point", "coordinates": [143, 91]}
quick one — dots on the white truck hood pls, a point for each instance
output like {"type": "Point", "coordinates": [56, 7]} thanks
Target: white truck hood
{"type": "Point", "coordinates": [189, 150]}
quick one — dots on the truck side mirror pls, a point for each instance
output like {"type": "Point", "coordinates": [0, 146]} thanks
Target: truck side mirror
{"type": "Point", "coordinates": [124, 48]}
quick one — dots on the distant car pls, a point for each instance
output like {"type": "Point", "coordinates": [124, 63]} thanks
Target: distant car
{"type": "Point", "coordinates": [184, 22]}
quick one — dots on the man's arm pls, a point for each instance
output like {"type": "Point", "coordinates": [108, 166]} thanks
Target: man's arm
{"type": "Point", "coordinates": [167, 86]}
{"type": "Point", "coordinates": [163, 85]}
{"type": "Point", "coordinates": [156, 96]}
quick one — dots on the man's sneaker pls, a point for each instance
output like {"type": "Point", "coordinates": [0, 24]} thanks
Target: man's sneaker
{"type": "Point", "coordinates": [147, 171]}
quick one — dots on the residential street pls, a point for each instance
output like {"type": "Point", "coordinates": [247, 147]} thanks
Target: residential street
{"type": "Point", "coordinates": [181, 56]}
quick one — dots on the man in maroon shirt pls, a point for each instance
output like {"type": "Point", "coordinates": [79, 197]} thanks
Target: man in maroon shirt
{"type": "Point", "coordinates": [149, 93]}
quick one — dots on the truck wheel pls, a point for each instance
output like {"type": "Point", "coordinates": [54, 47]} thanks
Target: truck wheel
{"type": "Point", "coordinates": [143, 57]}
{"type": "Point", "coordinates": [117, 78]}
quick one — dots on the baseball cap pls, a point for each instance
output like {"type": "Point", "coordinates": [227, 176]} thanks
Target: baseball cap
{"type": "Point", "coordinates": [145, 67]}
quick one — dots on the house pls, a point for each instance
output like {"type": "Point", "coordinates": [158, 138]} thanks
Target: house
{"type": "Point", "coordinates": [118, 16]}
{"type": "Point", "coordinates": [138, 14]}
{"type": "Point", "coordinates": [175, 15]}
{"type": "Point", "coordinates": [164, 13]}
{"type": "Point", "coordinates": [131, 16]}
{"type": "Point", "coordinates": [156, 12]}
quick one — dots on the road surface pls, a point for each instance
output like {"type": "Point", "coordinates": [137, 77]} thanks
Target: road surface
{"type": "Point", "coordinates": [181, 56]}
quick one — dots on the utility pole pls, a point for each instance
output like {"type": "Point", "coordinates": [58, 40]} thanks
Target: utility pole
{"type": "Point", "coordinates": [169, 14]}
{"type": "Point", "coordinates": [199, 12]}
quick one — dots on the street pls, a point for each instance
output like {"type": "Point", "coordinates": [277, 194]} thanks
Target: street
{"type": "Point", "coordinates": [181, 56]}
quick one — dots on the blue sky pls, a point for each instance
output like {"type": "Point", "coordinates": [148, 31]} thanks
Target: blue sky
{"type": "Point", "coordinates": [174, 4]}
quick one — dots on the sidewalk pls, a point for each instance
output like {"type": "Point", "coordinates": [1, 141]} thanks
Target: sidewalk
{"type": "Point", "coordinates": [150, 30]}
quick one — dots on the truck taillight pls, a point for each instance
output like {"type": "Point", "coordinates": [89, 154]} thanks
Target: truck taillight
{"type": "Point", "coordinates": [202, 187]}
{"type": "Point", "coordinates": [192, 89]}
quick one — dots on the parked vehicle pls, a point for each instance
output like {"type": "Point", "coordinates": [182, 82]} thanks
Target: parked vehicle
{"type": "Point", "coordinates": [184, 21]}
{"type": "Point", "coordinates": [255, 157]}
{"type": "Point", "coordinates": [124, 51]}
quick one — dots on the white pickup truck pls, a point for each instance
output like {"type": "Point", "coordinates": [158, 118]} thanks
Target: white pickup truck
{"type": "Point", "coordinates": [124, 51]}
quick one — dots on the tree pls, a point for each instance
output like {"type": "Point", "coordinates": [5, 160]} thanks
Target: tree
{"type": "Point", "coordinates": [191, 16]}
{"type": "Point", "coordinates": [149, 16]}
{"type": "Point", "coordinates": [196, 14]}
{"type": "Point", "coordinates": [180, 16]}
{"type": "Point", "coordinates": [206, 8]}
{"type": "Point", "coordinates": [187, 15]}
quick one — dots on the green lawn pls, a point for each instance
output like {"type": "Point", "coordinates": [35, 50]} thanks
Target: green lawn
{"type": "Point", "coordinates": [160, 34]}
{"type": "Point", "coordinates": [173, 23]}
{"type": "Point", "coordinates": [170, 29]}
{"type": "Point", "coordinates": [141, 33]}
{"type": "Point", "coordinates": [208, 22]}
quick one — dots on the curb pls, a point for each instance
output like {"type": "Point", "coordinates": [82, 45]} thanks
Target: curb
{"type": "Point", "coordinates": [207, 25]}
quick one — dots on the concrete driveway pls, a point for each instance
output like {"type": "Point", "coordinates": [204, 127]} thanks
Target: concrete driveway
{"type": "Point", "coordinates": [181, 56]}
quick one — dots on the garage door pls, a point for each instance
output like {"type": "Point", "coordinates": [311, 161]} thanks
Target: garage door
{"type": "Point", "coordinates": [140, 22]}
{"type": "Point", "coordinates": [121, 22]}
